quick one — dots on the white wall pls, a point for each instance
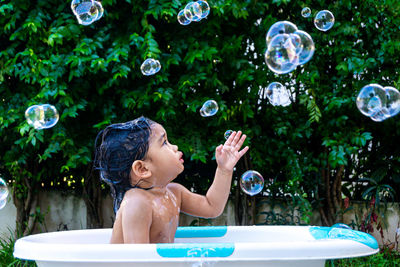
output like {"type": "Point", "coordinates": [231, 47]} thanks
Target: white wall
{"type": "Point", "coordinates": [66, 211]}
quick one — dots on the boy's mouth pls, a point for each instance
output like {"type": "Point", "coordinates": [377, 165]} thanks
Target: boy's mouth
{"type": "Point", "coordinates": [181, 158]}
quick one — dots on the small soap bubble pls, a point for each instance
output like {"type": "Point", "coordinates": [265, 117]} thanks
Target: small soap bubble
{"type": "Point", "coordinates": [371, 99]}
{"type": "Point", "coordinates": [193, 11]}
{"type": "Point", "coordinates": [3, 189]}
{"type": "Point", "coordinates": [204, 7]}
{"type": "Point", "coordinates": [308, 47]}
{"type": "Point", "coordinates": [209, 108]}
{"type": "Point", "coordinates": [306, 12]}
{"type": "Point", "coordinates": [281, 56]}
{"type": "Point", "coordinates": [251, 182]}
{"type": "Point", "coordinates": [42, 116]}
{"type": "Point", "coordinates": [182, 18]}
{"type": "Point", "coordinates": [280, 27]}
{"type": "Point", "coordinates": [150, 67]}
{"type": "Point", "coordinates": [228, 133]}
{"type": "Point", "coordinates": [341, 225]}
{"type": "Point", "coordinates": [278, 95]}
{"type": "Point", "coordinates": [380, 115]}
{"type": "Point", "coordinates": [324, 20]}
{"type": "Point", "coordinates": [393, 100]}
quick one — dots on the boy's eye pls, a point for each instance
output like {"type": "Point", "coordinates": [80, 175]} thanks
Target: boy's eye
{"type": "Point", "coordinates": [165, 142]}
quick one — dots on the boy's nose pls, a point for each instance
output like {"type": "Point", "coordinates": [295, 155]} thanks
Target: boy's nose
{"type": "Point", "coordinates": [175, 147]}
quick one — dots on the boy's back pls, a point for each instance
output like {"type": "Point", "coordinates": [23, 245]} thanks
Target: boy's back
{"type": "Point", "coordinates": [156, 213]}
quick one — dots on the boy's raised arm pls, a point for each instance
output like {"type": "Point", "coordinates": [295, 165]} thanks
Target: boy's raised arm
{"type": "Point", "coordinates": [213, 203]}
{"type": "Point", "coordinates": [136, 221]}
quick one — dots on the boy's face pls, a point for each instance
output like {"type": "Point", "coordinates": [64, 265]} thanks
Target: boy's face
{"type": "Point", "coordinates": [165, 161]}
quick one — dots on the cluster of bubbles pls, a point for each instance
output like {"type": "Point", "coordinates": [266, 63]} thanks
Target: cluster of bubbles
{"type": "Point", "coordinates": [87, 11]}
{"type": "Point", "coordinates": [150, 66]}
{"type": "Point", "coordinates": [42, 116]}
{"type": "Point", "coordinates": [378, 102]}
{"type": "Point", "coordinates": [278, 95]}
{"type": "Point", "coordinates": [193, 11]}
{"type": "Point", "coordinates": [287, 47]}
{"type": "Point", "coordinates": [251, 182]}
{"type": "Point", "coordinates": [3, 193]}
{"type": "Point", "coordinates": [209, 108]}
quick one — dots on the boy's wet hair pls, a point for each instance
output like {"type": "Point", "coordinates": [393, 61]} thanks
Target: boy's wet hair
{"type": "Point", "coordinates": [116, 148]}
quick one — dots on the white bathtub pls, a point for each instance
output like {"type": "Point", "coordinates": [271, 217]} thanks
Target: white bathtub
{"type": "Point", "coordinates": [244, 246]}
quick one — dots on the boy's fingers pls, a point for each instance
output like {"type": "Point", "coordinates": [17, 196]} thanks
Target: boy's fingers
{"type": "Point", "coordinates": [237, 137]}
{"type": "Point", "coordinates": [240, 143]}
{"type": "Point", "coordinates": [243, 151]}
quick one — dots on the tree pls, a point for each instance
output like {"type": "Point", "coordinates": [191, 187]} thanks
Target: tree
{"type": "Point", "coordinates": [92, 75]}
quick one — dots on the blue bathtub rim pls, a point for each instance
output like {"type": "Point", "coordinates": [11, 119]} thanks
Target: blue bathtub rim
{"type": "Point", "coordinates": [201, 231]}
{"type": "Point", "coordinates": [324, 232]}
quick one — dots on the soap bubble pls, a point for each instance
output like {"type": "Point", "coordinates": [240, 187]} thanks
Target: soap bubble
{"type": "Point", "coordinates": [280, 27]}
{"type": "Point", "coordinates": [204, 7]}
{"type": "Point", "coordinates": [182, 18]}
{"type": "Point", "coordinates": [380, 115]}
{"type": "Point", "coordinates": [228, 133]}
{"type": "Point", "coordinates": [100, 9]}
{"type": "Point", "coordinates": [150, 66]}
{"type": "Point", "coordinates": [324, 20]}
{"type": "Point", "coordinates": [209, 108]}
{"type": "Point", "coordinates": [77, 5]}
{"type": "Point", "coordinates": [306, 12]}
{"type": "Point", "coordinates": [307, 45]}
{"type": "Point", "coordinates": [251, 182]}
{"type": "Point", "coordinates": [42, 116]}
{"type": "Point", "coordinates": [393, 101]}
{"type": "Point", "coordinates": [278, 95]}
{"type": "Point", "coordinates": [3, 203]}
{"type": "Point", "coordinates": [341, 225]}
{"type": "Point", "coordinates": [85, 10]}
{"type": "Point", "coordinates": [281, 56]}
{"type": "Point", "coordinates": [371, 99]}
{"type": "Point", "coordinates": [3, 189]}
{"type": "Point", "coordinates": [193, 11]}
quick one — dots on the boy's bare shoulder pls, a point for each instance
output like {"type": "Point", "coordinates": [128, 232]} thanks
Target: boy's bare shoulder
{"type": "Point", "coordinates": [136, 198]}
{"type": "Point", "coordinates": [175, 187]}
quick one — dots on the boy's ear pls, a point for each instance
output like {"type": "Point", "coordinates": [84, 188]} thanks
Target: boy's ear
{"type": "Point", "coordinates": [140, 169]}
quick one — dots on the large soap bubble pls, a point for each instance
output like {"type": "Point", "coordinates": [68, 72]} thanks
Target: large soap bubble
{"type": "Point", "coordinates": [204, 7]}
{"type": "Point", "coordinates": [42, 116]}
{"type": "Point", "coordinates": [150, 66]}
{"type": "Point", "coordinates": [251, 182]}
{"type": "Point", "coordinates": [3, 189]}
{"type": "Point", "coordinates": [209, 108]}
{"type": "Point", "coordinates": [278, 95]}
{"type": "Point", "coordinates": [371, 99]}
{"type": "Point", "coordinates": [281, 56]}
{"type": "Point", "coordinates": [86, 11]}
{"type": "Point", "coordinates": [307, 45]}
{"type": "Point", "coordinates": [393, 101]}
{"type": "Point", "coordinates": [193, 11]}
{"type": "Point", "coordinates": [324, 20]}
{"type": "Point", "coordinates": [280, 27]}
{"type": "Point", "coordinates": [183, 18]}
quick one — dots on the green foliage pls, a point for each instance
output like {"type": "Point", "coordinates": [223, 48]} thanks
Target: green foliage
{"type": "Point", "coordinates": [385, 258]}
{"type": "Point", "coordinates": [92, 75]}
{"type": "Point", "coordinates": [6, 254]}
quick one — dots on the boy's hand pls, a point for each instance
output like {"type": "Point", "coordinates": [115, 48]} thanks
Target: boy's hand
{"type": "Point", "coordinates": [227, 155]}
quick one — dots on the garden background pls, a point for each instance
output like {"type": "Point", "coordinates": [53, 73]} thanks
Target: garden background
{"type": "Point", "coordinates": [318, 155]}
